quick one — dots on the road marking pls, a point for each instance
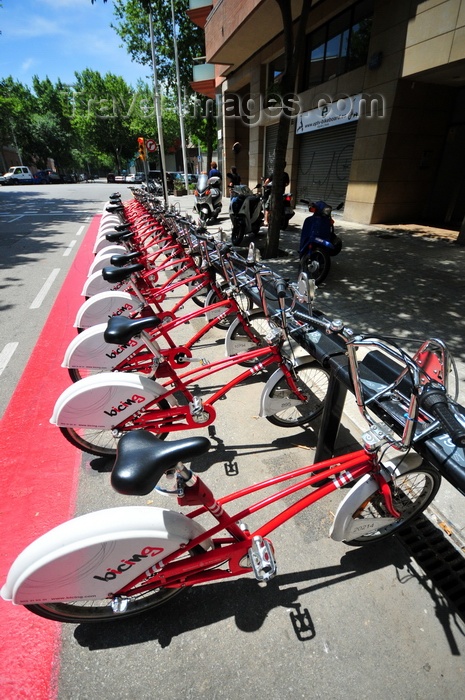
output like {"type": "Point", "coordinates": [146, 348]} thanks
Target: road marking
{"type": "Point", "coordinates": [6, 355]}
{"type": "Point", "coordinates": [16, 218]}
{"type": "Point", "coordinates": [69, 249]}
{"type": "Point", "coordinates": [80, 230]}
{"type": "Point", "coordinates": [45, 289]}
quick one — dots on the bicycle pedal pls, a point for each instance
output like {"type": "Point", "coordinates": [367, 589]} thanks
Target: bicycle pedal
{"type": "Point", "coordinates": [262, 559]}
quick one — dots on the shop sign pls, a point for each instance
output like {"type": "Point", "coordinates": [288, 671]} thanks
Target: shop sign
{"type": "Point", "coordinates": [345, 109]}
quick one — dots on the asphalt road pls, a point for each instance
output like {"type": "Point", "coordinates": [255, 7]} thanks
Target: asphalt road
{"type": "Point", "coordinates": [337, 622]}
{"type": "Point", "coordinates": [41, 227]}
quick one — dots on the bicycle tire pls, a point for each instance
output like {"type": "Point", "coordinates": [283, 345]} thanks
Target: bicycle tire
{"type": "Point", "coordinates": [312, 380]}
{"type": "Point", "coordinates": [413, 491]}
{"type": "Point", "coordinates": [137, 364]}
{"type": "Point", "coordinates": [101, 611]}
{"type": "Point", "coordinates": [101, 443]}
{"type": "Point", "coordinates": [260, 326]}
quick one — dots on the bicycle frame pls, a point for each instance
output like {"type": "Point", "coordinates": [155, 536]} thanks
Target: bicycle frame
{"type": "Point", "coordinates": [89, 350]}
{"type": "Point", "coordinates": [231, 551]}
{"type": "Point", "coordinates": [202, 413]}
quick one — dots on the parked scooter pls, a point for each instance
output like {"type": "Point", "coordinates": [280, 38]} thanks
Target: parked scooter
{"type": "Point", "coordinates": [288, 211]}
{"type": "Point", "coordinates": [245, 212]}
{"type": "Point", "coordinates": [318, 241]}
{"type": "Point", "coordinates": [208, 198]}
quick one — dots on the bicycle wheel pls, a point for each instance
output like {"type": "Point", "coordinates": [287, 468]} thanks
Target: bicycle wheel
{"type": "Point", "coordinates": [412, 492]}
{"type": "Point", "coordinates": [102, 443]}
{"type": "Point", "coordinates": [238, 340]}
{"type": "Point", "coordinates": [142, 363]}
{"type": "Point", "coordinates": [312, 381]}
{"type": "Point", "coordinates": [101, 610]}
{"type": "Point", "coordinates": [214, 297]}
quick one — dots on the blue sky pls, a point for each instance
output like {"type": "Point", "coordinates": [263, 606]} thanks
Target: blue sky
{"type": "Point", "coordinates": [55, 38]}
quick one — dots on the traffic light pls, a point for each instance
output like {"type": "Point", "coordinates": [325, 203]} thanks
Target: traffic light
{"type": "Point", "coordinates": [141, 147]}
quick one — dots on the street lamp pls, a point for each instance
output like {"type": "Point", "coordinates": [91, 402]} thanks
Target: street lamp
{"type": "Point", "coordinates": [156, 101]}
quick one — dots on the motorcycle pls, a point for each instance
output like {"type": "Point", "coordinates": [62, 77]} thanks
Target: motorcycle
{"type": "Point", "coordinates": [288, 211]}
{"type": "Point", "coordinates": [208, 198]}
{"type": "Point", "coordinates": [245, 212]}
{"type": "Point", "coordinates": [318, 241]}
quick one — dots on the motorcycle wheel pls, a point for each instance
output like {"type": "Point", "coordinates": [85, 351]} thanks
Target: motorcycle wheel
{"type": "Point", "coordinates": [238, 232]}
{"type": "Point", "coordinates": [321, 267]}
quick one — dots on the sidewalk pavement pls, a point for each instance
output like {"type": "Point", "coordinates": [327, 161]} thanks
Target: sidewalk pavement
{"type": "Point", "coordinates": [404, 281]}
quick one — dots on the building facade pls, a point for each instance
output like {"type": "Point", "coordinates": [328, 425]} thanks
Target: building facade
{"type": "Point", "coordinates": [378, 111]}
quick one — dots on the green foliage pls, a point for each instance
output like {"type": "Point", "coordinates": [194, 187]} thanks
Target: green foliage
{"type": "Point", "coordinates": [95, 123]}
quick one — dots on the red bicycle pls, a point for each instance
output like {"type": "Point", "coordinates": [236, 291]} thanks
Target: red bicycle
{"type": "Point", "coordinates": [115, 563]}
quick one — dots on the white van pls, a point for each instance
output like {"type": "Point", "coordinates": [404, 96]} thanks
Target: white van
{"type": "Point", "coordinates": [17, 175]}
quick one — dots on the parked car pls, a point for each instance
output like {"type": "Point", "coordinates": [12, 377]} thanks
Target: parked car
{"type": "Point", "coordinates": [46, 177]}
{"type": "Point", "coordinates": [135, 177]}
{"type": "Point", "coordinates": [17, 175]}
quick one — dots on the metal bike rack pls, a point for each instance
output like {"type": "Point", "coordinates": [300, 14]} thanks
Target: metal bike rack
{"type": "Point", "coordinates": [329, 351]}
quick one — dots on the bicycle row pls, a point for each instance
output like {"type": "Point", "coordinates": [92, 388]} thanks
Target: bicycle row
{"type": "Point", "coordinates": [122, 561]}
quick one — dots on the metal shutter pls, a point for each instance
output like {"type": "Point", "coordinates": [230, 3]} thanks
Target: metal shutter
{"type": "Point", "coordinates": [325, 158]}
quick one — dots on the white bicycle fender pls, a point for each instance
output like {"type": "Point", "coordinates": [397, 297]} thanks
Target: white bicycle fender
{"type": "Point", "coordinates": [93, 555]}
{"type": "Point", "coordinates": [104, 400]}
{"type": "Point", "coordinates": [268, 405]}
{"type": "Point", "coordinates": [243, 344]}
{"type": "Point", "coordinates": [95, 284]}
{"type": "Point", "coordinates": [100, 307]}
{"type": "Point", "coordinates": [101, 243]}
{"type": "Point", "coordinates": [104, 258]}
{"type": "Point", "coordinates": [343, 525]}
{"type": "Point", "coordinates": [88, 350]}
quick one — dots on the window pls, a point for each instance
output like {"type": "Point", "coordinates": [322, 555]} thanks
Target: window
{"type": "Point", "coordinates": [340, 45]}
{"type": "Point", "coordinates": [275, 70]}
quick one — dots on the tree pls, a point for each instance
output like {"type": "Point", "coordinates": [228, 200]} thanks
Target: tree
{"type": "Point", "coordinates": [294, 37]}
{"type": "Point", "coordinates": [103, 114]}
{"type": "Point", "coordinates": [17, 104]}
{"type": "Point", "coordinates": [133, 28]}
{"type": "Point", "coordinates": [51, 130]}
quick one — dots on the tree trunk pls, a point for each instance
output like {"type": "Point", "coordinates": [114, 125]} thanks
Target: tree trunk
{"type": "Point", "coordinates": [293, 50]}
{"type": "Point", "coordinates": [461, 237]}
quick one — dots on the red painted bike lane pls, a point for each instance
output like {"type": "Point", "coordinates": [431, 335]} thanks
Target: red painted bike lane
{"type": "Point", "coordinates": [38, 482]}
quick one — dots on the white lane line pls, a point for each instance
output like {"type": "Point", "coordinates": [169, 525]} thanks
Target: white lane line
{"type": "Point", "coordinates": [6, 355]}
{"type": "Point", "coordinates": [45, 289]}
{"type": "Point", "coordinates": [16, 218]}
{"type": "Point", "coordinates": [69, 249]}
{"type": "Point", "coordinates": [79, 231]}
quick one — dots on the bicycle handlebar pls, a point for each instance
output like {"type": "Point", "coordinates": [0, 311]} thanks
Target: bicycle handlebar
{"type": "Point", "coordinates": [435, 400]}
{"type": "Point", "coordinates": [335, 326]}
{"type": "Point", "coordinates": [432, 396]}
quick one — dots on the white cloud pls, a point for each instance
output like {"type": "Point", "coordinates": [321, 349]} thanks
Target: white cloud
{"type": "Point", "coordinates": [28, 64]}
{"type": "Point", "coordinates": [33, 26]}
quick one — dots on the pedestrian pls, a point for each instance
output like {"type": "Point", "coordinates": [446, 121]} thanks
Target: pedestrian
{"type": "Point", "coordinates": [234, 178]}
{"type": "Point", "coordinates": [267, 200]}
{"type": "Point", "coordinates": [214, 172]}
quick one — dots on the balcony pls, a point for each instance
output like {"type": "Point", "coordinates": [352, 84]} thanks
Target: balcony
{"type": "Point", "coordinates": [199, 10]}
{"type": "Point", "coordinates": [204, 79]}
{"type": "Point", "coordinates": [234, 31]}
